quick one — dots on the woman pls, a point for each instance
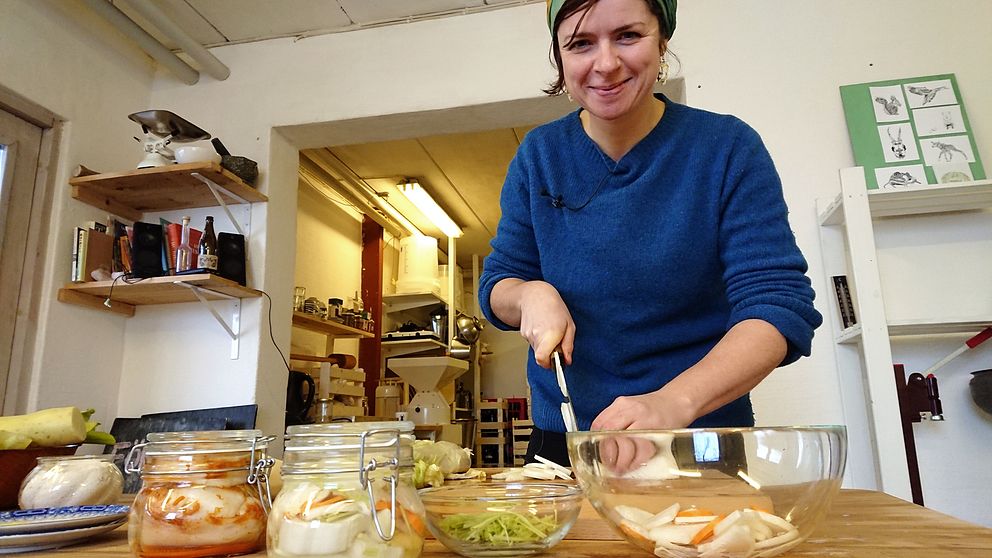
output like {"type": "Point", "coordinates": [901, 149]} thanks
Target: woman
{"type": "Point", "coordinates": [646, 239]}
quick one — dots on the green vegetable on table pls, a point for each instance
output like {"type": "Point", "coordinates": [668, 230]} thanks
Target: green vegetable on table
{"type": "Point", "coordinates": [58, 426]}
{"type": "Point", "coordinates": [498, 527]}
{"type": "Point", "coordinates": [427, 474]}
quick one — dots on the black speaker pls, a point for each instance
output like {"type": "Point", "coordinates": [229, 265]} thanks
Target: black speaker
{"type": "Point", "coordinates": [146, 250]}
{"type": "Point", "coordinates": [231, 257]}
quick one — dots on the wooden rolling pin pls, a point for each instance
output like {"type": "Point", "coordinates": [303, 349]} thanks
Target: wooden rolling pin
{"type": "Point", "coordinates": [341, 359]}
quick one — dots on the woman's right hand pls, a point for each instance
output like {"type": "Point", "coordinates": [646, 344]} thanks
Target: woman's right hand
{"type": "Point", "coordinates": [545, 321]}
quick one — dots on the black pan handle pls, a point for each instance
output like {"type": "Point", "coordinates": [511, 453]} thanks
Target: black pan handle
{"type": "Point", "coordinates": [219, 147]}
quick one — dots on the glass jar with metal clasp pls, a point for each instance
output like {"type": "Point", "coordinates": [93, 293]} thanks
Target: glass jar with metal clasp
{"type": "Point", "coordinates": [347, 491]}
{"type": "Point", "coordinates": [202, 494]}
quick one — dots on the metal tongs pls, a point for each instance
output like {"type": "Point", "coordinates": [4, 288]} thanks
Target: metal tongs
{"type": "Point", "coordinates": [567, 412]}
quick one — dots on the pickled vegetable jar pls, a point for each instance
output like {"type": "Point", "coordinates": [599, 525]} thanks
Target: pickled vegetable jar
{"type": "Point", "coordinates": [75, 480]}
{"type": "Point", "coordinates": [202, 494]}
{"type": "Point", "coordinates": [347, 492]}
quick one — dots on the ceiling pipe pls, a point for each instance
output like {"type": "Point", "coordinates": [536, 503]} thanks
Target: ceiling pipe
{"type": "Point", "coordinates": [147, 43]}
{"type": "Point", "coordinates": [208, 62]}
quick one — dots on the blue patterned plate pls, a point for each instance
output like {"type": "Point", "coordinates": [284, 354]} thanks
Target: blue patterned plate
{"type": "Point", "coordinates": [28, 542]}
{"type": "Point", "coordinates": [42, 520]}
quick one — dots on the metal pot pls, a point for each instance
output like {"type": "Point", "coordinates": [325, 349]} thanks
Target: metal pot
{"type": "Point", "coordinates": [467, 328]}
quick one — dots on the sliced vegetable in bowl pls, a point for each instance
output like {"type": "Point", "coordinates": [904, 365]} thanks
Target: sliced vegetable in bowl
{"type": "Point", "coordinates": [513, 519]}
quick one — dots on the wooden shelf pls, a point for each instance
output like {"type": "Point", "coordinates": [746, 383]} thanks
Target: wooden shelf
{"type": "Point", "coordinates": [917, 200]}
{"type": "Point", "coordinates": [132, 193]}
{"type": "Point", "coordinates": [154, 290]}
{"type": "Point", "coordinates": [409, 346]}
{"type": "Point", "coordinates": [402, 302]}
{"type": "Point", "coordinates": [921, 327]}
{"type": "Point", "coordinates": [328, 327]}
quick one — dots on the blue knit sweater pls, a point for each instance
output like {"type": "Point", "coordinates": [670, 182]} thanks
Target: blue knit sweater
{"type": "Point", "coordinates": [656, 256]}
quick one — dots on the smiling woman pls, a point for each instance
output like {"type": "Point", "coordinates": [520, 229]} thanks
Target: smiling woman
{"type": "Point", "coordinates": [669, 218]}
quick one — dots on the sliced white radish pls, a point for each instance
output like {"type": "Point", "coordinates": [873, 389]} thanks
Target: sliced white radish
{"type": "Point", "coordinates": [666, 550]}
{"type": "Point", "coordinates": [563, 472]}
{"type": "Point", "coordinates": [543, 474]}
{"type": "Point", "coordinates": [735, 541]}
{"type": "Point", "coordinates": [663, 517]}
{"type": "Point", "coordinates": [775, 522]}
{"type": "Point", "coordinates": [680, 534]}
{"type": "Point", "coordinates": [633, 514]}
{"type": "Point", "coordinates": [692, 519]}
{"type": "Point", "coordinates": [785, 537]}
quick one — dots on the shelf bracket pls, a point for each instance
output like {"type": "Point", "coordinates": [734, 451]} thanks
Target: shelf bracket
{"type": "Point", "coordinates": [215, 190]}
{"type": "Point", "coordinates": [234, 329]}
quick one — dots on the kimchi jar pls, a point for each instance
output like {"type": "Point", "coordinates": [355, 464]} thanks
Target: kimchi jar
{"type": "Point", "coordinates": [347, 491]}
{"type": "Point", "coordinates": [202, 494]}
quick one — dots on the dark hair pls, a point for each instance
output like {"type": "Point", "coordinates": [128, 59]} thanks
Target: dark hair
{"type": "Point", "coordinates": [557, 87]}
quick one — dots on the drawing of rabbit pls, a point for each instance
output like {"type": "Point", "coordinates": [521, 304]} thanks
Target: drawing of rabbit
{"type": "Point", "coordinates": [947, 151]}
{"type": "Point", "coordinates": [897, 147]}
{"type": "Point", "coordinates": [948, 120]}
{"type": "Point", "coordinates": [900, 179]}
{"type": "Point", "coordinates": [891, 106]}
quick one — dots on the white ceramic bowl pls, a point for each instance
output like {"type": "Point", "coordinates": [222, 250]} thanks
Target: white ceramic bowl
{"type": "Point", "coordinates": [196, 154]}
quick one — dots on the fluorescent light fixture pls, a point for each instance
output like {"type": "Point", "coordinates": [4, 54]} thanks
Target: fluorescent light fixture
{"type": "Point", "coordinates": [426, 204]}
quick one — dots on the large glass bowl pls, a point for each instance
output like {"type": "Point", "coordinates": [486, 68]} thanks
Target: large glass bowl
{"type": "Point", "coordinates": [512, 519]}
{"type": "Point", "coordinates": [711, 493]}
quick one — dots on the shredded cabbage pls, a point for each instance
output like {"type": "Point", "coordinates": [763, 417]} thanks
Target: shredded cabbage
{"type": "Point", "coordinates": [498, 527]}
{"type": "Point", "coordinates": [425, 474]}
{"type": "Point", "coordinates": [449, 457]}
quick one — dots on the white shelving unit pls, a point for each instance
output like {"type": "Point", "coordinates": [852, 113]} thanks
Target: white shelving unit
{"type": "Point", "coordinates": [877, 455]}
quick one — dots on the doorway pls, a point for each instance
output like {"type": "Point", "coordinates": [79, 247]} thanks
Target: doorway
{"type": "Point", "coordinates": [26, 137]}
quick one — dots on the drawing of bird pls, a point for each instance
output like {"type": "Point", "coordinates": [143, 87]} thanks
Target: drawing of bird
{"type": "Point", "coordinates": [927, 93]}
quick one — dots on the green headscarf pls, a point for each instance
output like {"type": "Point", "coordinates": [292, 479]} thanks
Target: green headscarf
{"type": "Point", "coordinates": [667, 8]}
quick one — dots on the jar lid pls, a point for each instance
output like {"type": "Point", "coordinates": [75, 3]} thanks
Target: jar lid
{"type": "Point", "coordinates": [206, 441]}
{"type": "Point", "coordinates": [341, 447]}
{"type": "Point", "coordinates": [203, 451]}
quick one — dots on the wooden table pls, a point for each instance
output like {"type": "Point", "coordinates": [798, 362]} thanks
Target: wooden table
{"type": "Point", "coordinates": [860, 523]}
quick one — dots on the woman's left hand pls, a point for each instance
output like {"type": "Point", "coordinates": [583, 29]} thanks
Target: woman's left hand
{"type": "Point", "coordinates": [656, 410]}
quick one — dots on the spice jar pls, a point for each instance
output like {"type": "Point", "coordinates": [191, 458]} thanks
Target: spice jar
{"type": "Point", "coordinates": [76, 480]}
{"type": "Point", "coordinates": [347, 491]}
{"type": "Point", "coordinates": [202, 494]}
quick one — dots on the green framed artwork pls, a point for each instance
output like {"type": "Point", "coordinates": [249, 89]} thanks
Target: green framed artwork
{"type": "Point", "coordinates": [909, 132]}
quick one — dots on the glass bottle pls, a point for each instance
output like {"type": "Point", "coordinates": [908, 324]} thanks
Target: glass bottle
{"type": "Point", "coordinates": [202, 494]}
{"type": "Point", "coordinates": [333, 502]}
{"type": "Point", "coordinates": [184, 254]}
{"type": "Point", "coordinates": [206, 258]}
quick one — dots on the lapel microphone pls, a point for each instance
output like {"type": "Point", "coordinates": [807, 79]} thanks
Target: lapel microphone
{"type": "Point", "coordinates": [556, 201]}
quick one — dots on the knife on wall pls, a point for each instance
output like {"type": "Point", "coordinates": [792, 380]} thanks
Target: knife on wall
{"type": "Point", "coordinates": [567, 412]}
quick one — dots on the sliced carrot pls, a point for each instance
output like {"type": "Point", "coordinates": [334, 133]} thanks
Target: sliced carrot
{"type": "Point", "coordinates": [637, 538]}
{"type": "Point", "coordinates": [706, 532]}
{"type": "Point", "coordinates": [329, 499]}
{"type": "Point", "coordinates": [694, 512]}
{"type": "Point", "coordinates": [415, 523]}
{"type": "Point", "coordinates": [382, 505]}
{"type": "Point", "coordinates": [756, 508]}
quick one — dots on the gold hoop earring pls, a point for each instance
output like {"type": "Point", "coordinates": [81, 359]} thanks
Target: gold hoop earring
{"type": "Point", "coordinates": [662, 71]}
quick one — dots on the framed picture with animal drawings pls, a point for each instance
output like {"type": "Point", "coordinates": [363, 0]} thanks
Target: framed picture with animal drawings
{"type": "Point", "coordinates": [910, 132]}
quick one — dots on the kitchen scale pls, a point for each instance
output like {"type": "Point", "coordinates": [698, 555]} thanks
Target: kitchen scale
{"type": "Point", "coordinates": [162, 128]}
{"type": "Point", "coordinates": [426, 375]}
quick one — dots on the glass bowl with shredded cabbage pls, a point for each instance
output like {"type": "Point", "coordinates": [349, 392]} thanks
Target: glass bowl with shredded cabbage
{"type": "Point", "coordinates": [511, 519]}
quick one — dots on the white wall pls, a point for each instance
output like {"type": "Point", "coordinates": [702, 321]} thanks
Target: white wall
{"type": "Point", "coordinates": [329, 249]}
{"type": "Point", "coordinates": [777, 64]}
{"type": "Point", "coordinates": [66, 59]}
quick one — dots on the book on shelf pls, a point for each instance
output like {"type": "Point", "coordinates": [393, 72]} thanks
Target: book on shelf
{"type": "Point", "coordinates": [845, 303]}
{"type": "Point", "coordinates": [77, 241]}
{"type": "Point", "coordinates": [91, 250]}
{"type": "Point", "coordinates": [172, 238]}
